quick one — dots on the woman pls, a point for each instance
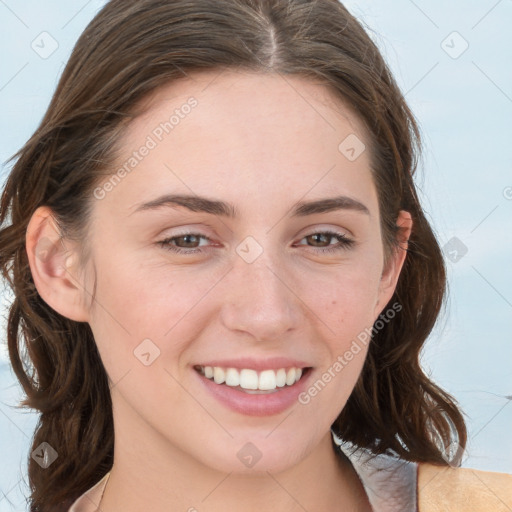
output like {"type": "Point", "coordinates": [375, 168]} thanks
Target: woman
{"type": "Point", "coordinates": [223, 274]}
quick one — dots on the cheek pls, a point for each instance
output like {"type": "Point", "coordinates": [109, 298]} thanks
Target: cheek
{"type": "Point", "coordinates": [344, 304]}
{"type": "Point", "coordinates": [344, 298]}
{"type": "Point", "coordinates": [148, 308]}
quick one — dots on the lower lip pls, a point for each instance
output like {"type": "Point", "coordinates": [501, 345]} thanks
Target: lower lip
{"type": "Point", "coordinates": [259, 404]}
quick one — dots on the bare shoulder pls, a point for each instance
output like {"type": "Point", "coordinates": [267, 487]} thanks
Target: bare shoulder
{"type": "Point", "coordinates": [447, 489]}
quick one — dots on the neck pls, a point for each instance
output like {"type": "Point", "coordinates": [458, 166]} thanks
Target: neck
{"type": "Point", "coordinates": [151, 473]}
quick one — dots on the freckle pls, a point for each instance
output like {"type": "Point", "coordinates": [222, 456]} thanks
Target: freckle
{"type": "Point", "coordinates": [334, 302]}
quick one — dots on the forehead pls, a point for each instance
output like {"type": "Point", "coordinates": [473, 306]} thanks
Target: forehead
{"type": "Point", "coordinates": [243, 96]}
{"type": "Point", "coordinates": [239, 133]}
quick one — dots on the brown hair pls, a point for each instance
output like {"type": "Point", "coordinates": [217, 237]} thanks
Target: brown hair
{"type": "Point", "coordinates": [128, 50]}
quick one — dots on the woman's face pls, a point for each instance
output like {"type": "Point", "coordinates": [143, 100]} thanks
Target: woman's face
{"type": "Point", "coordinates": [258, 284]}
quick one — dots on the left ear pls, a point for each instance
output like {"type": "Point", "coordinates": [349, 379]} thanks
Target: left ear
{"type": "Point", "coordinates": [391, 272]}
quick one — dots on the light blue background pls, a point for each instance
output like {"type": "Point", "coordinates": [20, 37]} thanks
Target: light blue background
{"type": "Point", "coordinates": [464, 106]}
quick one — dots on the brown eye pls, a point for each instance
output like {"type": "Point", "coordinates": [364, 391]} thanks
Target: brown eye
{"type": "Point", "coordinates": [190, 242]}
{"type": "Point", "coordinates": [343, 241]}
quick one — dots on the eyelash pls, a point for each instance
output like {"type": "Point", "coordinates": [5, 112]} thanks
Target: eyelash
{"type": "Point", "coordinates": [344, 243]}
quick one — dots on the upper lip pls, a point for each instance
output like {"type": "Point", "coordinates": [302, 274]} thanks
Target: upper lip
{"type": "Point", "coordinates": [272, 363]}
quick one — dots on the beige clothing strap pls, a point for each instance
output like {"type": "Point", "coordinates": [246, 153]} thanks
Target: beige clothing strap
{"type": "Point", "coordinates": [447, 489]}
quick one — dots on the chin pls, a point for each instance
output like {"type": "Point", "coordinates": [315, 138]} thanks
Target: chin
{"type": "Point", "coordinates": [244, 456]}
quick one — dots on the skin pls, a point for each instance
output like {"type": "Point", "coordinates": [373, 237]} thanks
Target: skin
{"type": "Point", "coordinates": [262, 143]}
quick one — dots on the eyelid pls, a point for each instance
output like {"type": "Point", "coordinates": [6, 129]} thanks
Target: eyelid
{"type": "Point", "coordinates": [313, 231]}
{"type": "Point", "coordinates": [315, 228]}
{"type": "Point", "coordinates": [322, 228]}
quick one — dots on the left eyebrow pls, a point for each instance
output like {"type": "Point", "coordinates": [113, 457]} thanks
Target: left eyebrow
{"type": "Point", "coordinates": [224, 209]}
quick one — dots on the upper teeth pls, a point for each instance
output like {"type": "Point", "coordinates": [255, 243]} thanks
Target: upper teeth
{"type": "Point", "coordinates": [250, 379]}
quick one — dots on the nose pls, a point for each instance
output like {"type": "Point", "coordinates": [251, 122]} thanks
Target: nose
{"type": "Point", "coordinates": [258, 299]}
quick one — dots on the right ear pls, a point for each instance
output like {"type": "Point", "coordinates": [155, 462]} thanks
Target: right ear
{"type": "Point", "coordinates": [53, 263]}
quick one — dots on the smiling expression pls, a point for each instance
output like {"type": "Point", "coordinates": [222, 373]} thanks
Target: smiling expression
{"type": "Point", "coordinates": [242, 236]}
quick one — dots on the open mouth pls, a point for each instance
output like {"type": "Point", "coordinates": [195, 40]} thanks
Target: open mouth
{"type": "Point", "coordinates": [252, 382]}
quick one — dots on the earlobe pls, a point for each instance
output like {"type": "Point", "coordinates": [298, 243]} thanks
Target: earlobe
{"type": "Point", "coordinates": [52, 263]}
{"type": "Point", "coordinates": [391, 272]}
